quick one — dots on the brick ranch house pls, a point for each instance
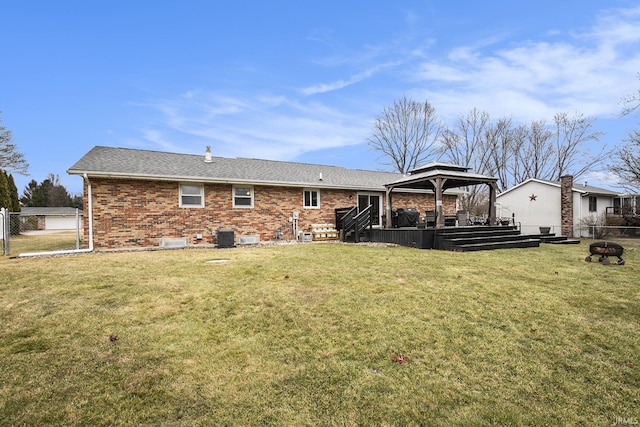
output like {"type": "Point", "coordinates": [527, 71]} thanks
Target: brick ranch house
{"type": "Point", "coordinates": [137, 198]}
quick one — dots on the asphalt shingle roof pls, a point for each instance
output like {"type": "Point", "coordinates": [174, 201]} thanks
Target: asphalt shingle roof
{"type": "Point", "coordinates": [62, 211]}
{"type": "Point", "coordinates": [144, 164]}
{"type": "Point", "coordinates": [581, 188]}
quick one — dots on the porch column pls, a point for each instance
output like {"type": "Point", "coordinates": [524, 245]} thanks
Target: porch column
{"type": "Point", "coordinates": [438, 184]}
{"type": "Point", "coordinates": [388, 222]}
{"type": "Point", "coordinates": [493, 190]}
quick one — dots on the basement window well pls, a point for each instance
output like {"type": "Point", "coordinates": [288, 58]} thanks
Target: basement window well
{"type": "Point", "coordinates": [191, 196]}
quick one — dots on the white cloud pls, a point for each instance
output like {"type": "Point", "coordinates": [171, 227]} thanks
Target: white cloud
{"type": "Point", "coordinates": [271, 127]}
{"type": "Point", "coordinates": [588, 73]}
{"type": "Point", "coordinates": [339, 84]}
{"type": "Point", "coordinates": [530, 80]}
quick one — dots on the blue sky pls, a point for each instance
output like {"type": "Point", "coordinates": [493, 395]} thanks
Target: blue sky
{"type": "Point", "coordinates": [298, 80]}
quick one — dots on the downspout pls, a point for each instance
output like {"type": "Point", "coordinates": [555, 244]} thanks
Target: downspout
{"type": "Point", "coordinates": [74, 251]}
{"type": "Point", "coordinates": [580, 223]}
{"type": "Point", "coordinates": [90, 213]}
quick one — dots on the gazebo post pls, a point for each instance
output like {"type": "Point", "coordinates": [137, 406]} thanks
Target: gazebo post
{"type": "Point", "coordinates": [493, 190]}
{"type": "Point", "coordinates": [438, 185]}
{"type": "Point", "coordinates": [388, 222]}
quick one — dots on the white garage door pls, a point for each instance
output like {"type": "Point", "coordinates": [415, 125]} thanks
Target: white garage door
{"type": "Point", "coordinates": [60, 223]}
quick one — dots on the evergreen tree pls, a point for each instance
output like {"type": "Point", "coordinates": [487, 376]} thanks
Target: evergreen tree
{"type": "Point", "coordinates": [49, 193]}
{"type": "Point", "coordinates": [77, 202]}
{"type": "Point", "coordinates": [35, 195]}
{"type": "Point", "coordinates": [15, 199]}
{"type": "Point", "coordinates": [5, 196]}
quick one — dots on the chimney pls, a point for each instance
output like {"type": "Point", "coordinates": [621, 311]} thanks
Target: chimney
{"type": "Point", "coordinates": [566, 205]}
{"type": "Point", "coordinates": [207, 155]}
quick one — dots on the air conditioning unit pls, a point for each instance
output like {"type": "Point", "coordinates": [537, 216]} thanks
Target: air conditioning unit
{"type": "Point", "coordinates": [226, 239]}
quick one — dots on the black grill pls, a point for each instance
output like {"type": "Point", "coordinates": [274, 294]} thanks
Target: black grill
{"type": "Point", "coordinates": [407, 217]}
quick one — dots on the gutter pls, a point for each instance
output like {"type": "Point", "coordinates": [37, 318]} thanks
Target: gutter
{"type": "Point", "coordinates": [232, 181]}
{"type": "Point", "coordinates": [72, 251]}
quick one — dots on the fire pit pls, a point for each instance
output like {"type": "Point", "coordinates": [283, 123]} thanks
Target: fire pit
{"type": "Point", "coordinates": [604, 250]}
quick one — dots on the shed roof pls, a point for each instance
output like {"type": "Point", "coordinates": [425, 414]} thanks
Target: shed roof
{"type": "Point", "coordinates": [583, 189]}
{"type": "Point", "coordinates": [130, 163]}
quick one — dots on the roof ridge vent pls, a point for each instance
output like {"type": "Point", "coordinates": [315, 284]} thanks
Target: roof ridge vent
{"type": "Point", "coordinates": [207, 154]}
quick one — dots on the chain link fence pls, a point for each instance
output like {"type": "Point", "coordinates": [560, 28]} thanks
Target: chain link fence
{"type": "Point", "coordinates": [4, 230]}
{"type": "Point", "coordinates": [40, 230]}
{"type": "Point", "coordinates": [608, 232]}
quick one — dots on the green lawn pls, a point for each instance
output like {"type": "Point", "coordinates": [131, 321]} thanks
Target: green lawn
{"type": "Point", "coordinates": [321, 334]}
{"type": "Point", "coordinates": [43, 242]}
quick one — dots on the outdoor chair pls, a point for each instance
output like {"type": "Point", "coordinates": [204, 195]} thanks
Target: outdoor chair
{"type": "Point", "coordinates": [430, 218]}
{"type": "Point", "coordinates": [463, 218]}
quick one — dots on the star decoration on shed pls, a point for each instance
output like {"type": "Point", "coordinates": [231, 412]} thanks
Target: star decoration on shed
{"type": "Point", "coordinates": [532, 197]}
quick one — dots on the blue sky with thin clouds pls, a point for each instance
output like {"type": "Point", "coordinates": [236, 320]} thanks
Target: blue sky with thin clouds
{"type": "Point", "coordinates": [298, 80]}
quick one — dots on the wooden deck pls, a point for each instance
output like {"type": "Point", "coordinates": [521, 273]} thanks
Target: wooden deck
{"type": "Point", "coordinates": [463, 239]}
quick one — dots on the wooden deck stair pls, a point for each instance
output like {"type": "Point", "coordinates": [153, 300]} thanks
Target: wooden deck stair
{"type": "Point", "coordinates": [464, 239]}
{"type": "Point", "coordinates": [557, 240]}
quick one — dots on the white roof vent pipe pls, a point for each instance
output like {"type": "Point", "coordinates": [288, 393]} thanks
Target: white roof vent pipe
{"type": "Point", "coordinates": [207, 155]}
{"type": "Point", "coordinates": [320, 177]}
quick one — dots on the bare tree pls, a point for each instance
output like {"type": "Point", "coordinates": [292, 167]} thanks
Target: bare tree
{"type": "Point", "coordinates": [10, 158]}
{"type": "Point", "coordinates": [627, 164]}
{"type": "Point", "coordinates": [500, 145]}
{"type": "Point", "coordinates": [571, 135]}
{"type": "Point", "coordinates": [631, 103]}
{"type": "Point", "coordinates": [627, 167]}
{"type": "Point", "coordinates": [465, 145]}
{"type": "Point", "coordinates": [515, 154]}
{"type": "Point", "coordinates": [406, 133]}
{"type": "Point", "coordinates": [536, 153]}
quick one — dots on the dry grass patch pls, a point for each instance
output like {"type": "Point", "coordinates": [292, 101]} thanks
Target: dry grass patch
{"type": "Point", "coordinates": [320, 334]}
{"type": "Point", "coordinates": [43, 241]}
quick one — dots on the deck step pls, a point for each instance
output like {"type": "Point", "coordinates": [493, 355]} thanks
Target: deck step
{"type": "Point", "coordinates": [449, 243]}
{"type": "Point", "coordinates": [552, 238]}
{"type": "Point", "coordinates": [566, 241]}
{"type": "Point", "coordinates": [523, 243]}
{"type": "Point", "coordinates": [465, 239]}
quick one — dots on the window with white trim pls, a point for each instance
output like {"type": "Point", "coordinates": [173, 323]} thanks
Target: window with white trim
{"type": "Point", "coordinates": [191, 196]}
{"type": "Point", "coordinates": [311, 199]}
{"type": "Point", "coordinates": [242, 196]}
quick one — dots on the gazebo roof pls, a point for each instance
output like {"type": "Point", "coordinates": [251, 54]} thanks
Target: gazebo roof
{"type": "Point", "coordinates": [453, 176]}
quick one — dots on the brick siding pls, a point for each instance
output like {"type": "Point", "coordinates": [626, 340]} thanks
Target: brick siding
{"type": "Point", "coordinates": [130, 213]}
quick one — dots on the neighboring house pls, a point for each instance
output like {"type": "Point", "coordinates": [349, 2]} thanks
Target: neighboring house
{"type": "Point", "coordinates": [535, 203]}
{"type": "Point", "coordinates": [36, 218]}
{"type": "Point", "coordinates": [137, 198]}
{"type": "Point", "coordinates": [625, 204]}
